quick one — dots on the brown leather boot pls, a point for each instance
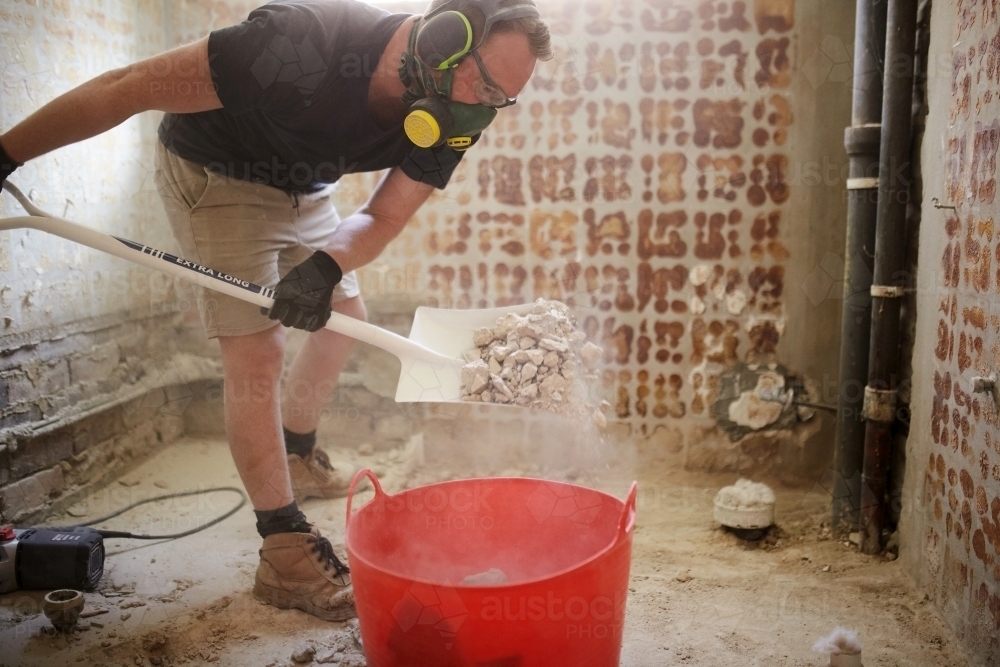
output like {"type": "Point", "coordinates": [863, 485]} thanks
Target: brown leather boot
{"type": "Point", "coordinates": [315, 476]}
{"type": "Point", "coordinates": [301, 571]}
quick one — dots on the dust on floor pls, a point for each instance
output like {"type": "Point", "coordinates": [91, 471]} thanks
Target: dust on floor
{"type": "Point", "coordinates": [698, 595]}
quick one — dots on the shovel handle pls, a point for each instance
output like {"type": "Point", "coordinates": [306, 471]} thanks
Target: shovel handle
{"type": "Point", "coordinates": [204, 276]}
{"type": "Point", "coordinates": [364, 472]}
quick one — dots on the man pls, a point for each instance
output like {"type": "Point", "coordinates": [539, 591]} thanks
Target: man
{"type": "Point", "coordinates": [261, 118]}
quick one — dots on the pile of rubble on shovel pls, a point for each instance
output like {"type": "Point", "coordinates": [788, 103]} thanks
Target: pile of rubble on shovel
{"type": "Point", "coordinates": [538, 360]}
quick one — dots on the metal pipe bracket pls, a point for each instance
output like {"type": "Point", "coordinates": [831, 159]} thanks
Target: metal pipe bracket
{"type": "Point", "coordinates": [888, 291]}
{"type": "Point", "coordinates": [863, 139]}
{"type": "Point", "coordinates": [865, 183]}
{"type": "Point", "coordinates": [879, 405]}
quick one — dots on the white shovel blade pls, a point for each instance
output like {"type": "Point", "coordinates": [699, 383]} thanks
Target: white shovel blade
{"type": "Point", "coordinates": [447, 332]}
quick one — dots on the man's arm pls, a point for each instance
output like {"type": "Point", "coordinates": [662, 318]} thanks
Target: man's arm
{"type": "Point", "coordinates": [362, 237]}
{"type": "Point", "coordinates": [177, 80]}
{"type": "Point", "coordinates": [302, 296]}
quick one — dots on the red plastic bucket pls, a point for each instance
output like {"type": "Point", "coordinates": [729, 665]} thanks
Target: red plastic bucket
{"type": "Point", "coordinates": [565, 551]}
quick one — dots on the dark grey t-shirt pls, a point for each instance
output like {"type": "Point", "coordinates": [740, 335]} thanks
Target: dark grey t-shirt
{"type": "Point", "coordinates": [293, 81]}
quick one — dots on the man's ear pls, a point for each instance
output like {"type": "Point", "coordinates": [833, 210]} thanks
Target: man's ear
{"type": "Point", "coordinates": [476, 19]}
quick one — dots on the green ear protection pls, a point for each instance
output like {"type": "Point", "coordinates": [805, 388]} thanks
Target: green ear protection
{"type": "Point", "coordinates": [444, 40]}
{"type": "Point", "coordinates": [440, 41]}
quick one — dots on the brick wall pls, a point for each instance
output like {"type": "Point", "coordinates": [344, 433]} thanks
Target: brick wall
{"type": "Point", "coordinates": [78, 408]}
{"type": "Point", "coordinates": [951, 505]}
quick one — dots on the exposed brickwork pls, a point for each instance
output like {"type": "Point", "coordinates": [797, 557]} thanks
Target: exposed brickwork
{"type": "Point", "coordinates": [951, 526]}
{"type": "Point", "coordinates": [30, 493]}
{"type": "Point", "coordinates": [87, 403]}
{"type": "Point", "coordinates": [62, 465]}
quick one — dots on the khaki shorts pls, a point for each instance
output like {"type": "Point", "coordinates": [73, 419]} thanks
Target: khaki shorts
{"type": "Point", "coordinates": [250, 231]}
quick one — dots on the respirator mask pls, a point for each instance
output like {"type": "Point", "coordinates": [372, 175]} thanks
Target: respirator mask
{"type": "Point", "coordinates": [440, 41]}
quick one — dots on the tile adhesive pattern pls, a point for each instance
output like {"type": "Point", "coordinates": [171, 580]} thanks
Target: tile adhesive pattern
{"type": "Point", "coordinates": [642, 181]}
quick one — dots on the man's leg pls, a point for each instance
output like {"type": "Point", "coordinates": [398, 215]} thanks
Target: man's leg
{"type": "Point", "coordinates": [312, 379]}
{"type": "Point", "coordinates": [311, 383]}
{"type": "Point", "coordinates": [252, 366]}
{"type": "Point", "coordinates": [298, 568]}
{"type": "Point", "coordinates": [241, 232]}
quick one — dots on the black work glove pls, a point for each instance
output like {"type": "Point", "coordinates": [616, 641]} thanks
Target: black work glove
{"type": "Point", "coordinates": [7, 165]}
{"type": "Point", "coordinates": [302, 297]}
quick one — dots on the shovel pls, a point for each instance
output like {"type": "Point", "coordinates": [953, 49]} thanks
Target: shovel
{"type": "Point", "coordinates": [431, 357]}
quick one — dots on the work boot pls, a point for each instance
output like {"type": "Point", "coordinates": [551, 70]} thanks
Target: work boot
{"type": "Point", "coordinates": [315, 476]}
{"type": "Point", "coordinates": [301, 571]}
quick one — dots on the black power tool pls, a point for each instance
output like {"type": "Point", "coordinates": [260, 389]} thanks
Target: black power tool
{"type": "Point", "coordinates": [42, 558]}
{"type": "Point", "coordinates": [73, 557]}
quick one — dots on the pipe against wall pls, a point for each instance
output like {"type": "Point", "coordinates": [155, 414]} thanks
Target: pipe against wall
{"type": "Point", "coordinates": [862, 143]}
{"type": "Point", "coordinates": [908, 307]}
{"type": "Point", "coordinates": [890, 255]}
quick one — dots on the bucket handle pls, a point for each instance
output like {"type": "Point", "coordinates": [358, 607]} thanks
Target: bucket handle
{"type": "Point", "coordinates": [627, 522]}
{"type": "Point", "coordinates": [364, 472]}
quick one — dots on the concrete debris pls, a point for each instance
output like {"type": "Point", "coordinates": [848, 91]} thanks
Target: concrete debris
{"type": "Point", "coordinates": [476, 375]}
{"type": "Point", "coordinates": [533, 361]}
{"type": "Point", "coordinates": [763, 405]}
{"type": "Point", "coordinates": [764, 398]}
{"type": "Point", "coordinates": [153, 641]}
{"type": "Point", "coordinates": [590, 354]}
{"type": "Point", "coordinates": [751, 411]}
{"type": "Point", "coordinates": [745, 495]}
{"type": "Point", "coordinates": [304, 653]}
{"type": "Point", "coordinates": [330, 656]}
{"type": "Point", "coordinates": [482, 337]}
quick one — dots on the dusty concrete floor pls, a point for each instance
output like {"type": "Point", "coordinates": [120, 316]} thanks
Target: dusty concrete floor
{"type": "Point", "coordinates": [699, 596]}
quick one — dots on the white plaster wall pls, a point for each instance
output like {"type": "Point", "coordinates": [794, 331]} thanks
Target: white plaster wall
{"type": "Point", "coordinates": [47, 48]}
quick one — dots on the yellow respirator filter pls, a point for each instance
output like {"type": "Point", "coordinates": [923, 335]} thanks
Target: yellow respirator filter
{"type": "Point", "coordinates": [422, 128]}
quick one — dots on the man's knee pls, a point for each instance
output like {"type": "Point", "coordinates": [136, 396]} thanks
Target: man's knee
{"type": "Point", "coordinates": [259, 355]}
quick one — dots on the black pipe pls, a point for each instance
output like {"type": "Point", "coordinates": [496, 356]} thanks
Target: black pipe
{"type": "Point", "coordinates": [861, 140]}
{"type": "Point", "coordinates": [908, 308]}
{"type": "Point", "coordinates": [890, 257]}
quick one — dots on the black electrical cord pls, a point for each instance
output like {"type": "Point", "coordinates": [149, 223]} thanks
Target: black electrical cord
{"type": "Point", "coordinates": [182, 494]}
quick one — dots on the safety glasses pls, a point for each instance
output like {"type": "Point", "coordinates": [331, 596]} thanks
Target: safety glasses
{"type": "Point", "coordinates": [487, 91]}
